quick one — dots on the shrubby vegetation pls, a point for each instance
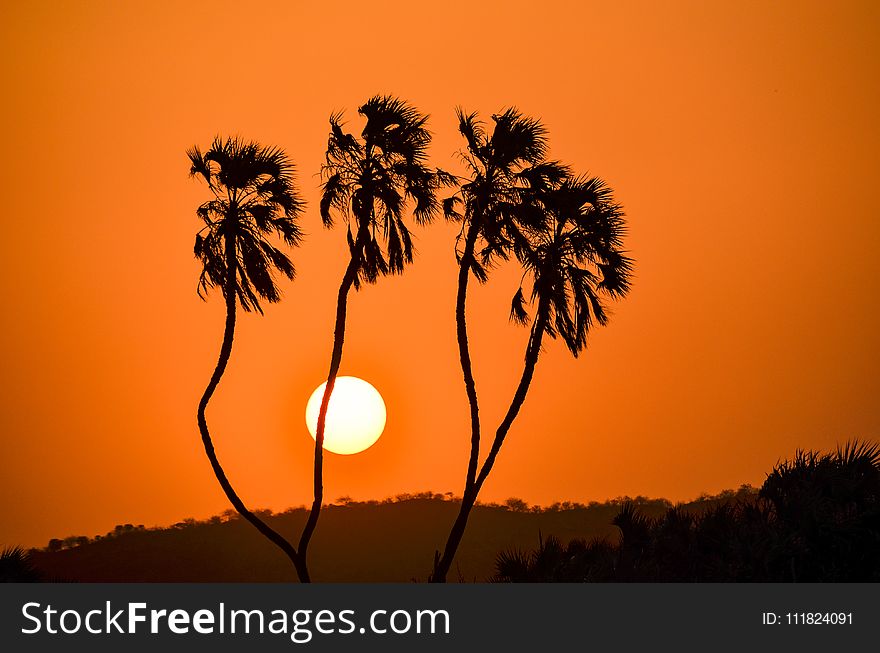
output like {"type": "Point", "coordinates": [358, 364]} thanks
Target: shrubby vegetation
{"type": "Point", "coordinates": [816, 518]}
{"type": "Point", "coordinates": [16, 566]}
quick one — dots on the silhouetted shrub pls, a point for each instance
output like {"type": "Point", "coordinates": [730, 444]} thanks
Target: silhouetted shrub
{"type": "Point", "coordinates": [16, 567]}
{"type": "Point", "coordinates": [815, 519]}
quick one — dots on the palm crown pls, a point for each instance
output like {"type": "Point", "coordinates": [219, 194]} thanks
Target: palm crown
{"type": "Point", "coordinates": [254, 202]}
{"type": "Point", "coordinates": [506, 168]}
{"type": "Point", "coordinates": [369, 181]}
{"type": "Point", "coordinates": [575, 260]}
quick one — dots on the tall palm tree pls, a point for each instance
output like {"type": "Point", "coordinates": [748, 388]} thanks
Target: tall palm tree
{"type": "Point", "coordinates": [505, 168]}
{"type": "Point", "coordinates": [576, 261]}
{"type": "Point", "coordinates": [254, 202]}
{"type": "Point", "coordinates": [369, 181]}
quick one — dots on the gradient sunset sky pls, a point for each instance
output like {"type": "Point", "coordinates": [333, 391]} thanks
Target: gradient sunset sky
{"type": "Point", "coordinates": [741, 137]}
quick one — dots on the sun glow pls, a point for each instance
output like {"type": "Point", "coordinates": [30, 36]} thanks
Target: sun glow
{"type": "Point", "coordinates": [355, 415]}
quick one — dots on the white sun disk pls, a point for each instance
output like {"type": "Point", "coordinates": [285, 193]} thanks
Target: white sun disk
{"type": "Point", "coordinates": [355, 415]}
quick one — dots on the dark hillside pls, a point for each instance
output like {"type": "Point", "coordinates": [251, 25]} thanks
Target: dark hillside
{"type": "Point", "coordinates": [390, 541]}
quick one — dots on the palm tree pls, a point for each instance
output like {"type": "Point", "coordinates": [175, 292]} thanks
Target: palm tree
{"type": "Point", "coordinates": [254, 201]}
{"type": "Point", "coordinates": [368, 182]}
{"type": "Point", "coordinates": [493, 205]}
{"type": "Point", "coordinates": [575, 260]}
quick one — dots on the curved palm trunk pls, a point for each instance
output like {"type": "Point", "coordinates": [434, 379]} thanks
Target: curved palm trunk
{"type": "Point", "coordinates": [533, 349]}
{"type": "Point", "coordinates": [441, 565]}
{"type": "Point", "coordinates": [335, 361]}
{"type": "Point", "coordinates": [222, 361]}
{"type": "Point", "coordinates": [464, 352]}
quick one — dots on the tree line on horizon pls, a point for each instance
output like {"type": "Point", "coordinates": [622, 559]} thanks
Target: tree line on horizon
{"type": "Point", "coordinates": [511, 504]}
{"type": "Point", "coordinates": [565, 230]}
{"type": "Point", "coordinates": [816, 518]}
{"type": "Point", "coordinates": [389, 532]}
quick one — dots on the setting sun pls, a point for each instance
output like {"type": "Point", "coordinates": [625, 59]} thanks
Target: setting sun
{"type": "Point", "coordinates": [355, 416]}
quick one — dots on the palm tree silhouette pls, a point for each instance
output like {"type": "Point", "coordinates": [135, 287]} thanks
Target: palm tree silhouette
{"type": "Point", "coordinates": [369, 181]}
{"type": "Point", "coordinates": [493, 206]}
{"type": "Point", "coordinates": [575, 260]}
{"type": "Point", "coordinates": [254, 200]}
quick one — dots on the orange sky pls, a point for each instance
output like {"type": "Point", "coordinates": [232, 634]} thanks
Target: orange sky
{"type": "Point", "coordinates": [741, 138]}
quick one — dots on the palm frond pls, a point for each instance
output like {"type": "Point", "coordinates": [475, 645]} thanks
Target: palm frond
{"type": "Point", "coordinates": [517, 138]}
{"type": "Point", "coordinates": [518, 311]}
{"type": "Point", "coordinates": [446, 179]}
{"type": "Point", "coordinates": [450, 208]}
{"type": "Point", "coordinates": [472, 129]}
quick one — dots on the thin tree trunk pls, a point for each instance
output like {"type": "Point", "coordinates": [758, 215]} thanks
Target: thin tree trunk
{"type": "Point", "coordinates": [335, 361]}
{"type": "Point", "coordinates": [532, 352]}
{"type": "Point", "coordinates": [464, 270]}
{"type": "Point", "coordinates": [222, 361]}
{"type": "Point", "coordinates": [533, 349]}
{"type": "Point", "coordinates": [464, 351]}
